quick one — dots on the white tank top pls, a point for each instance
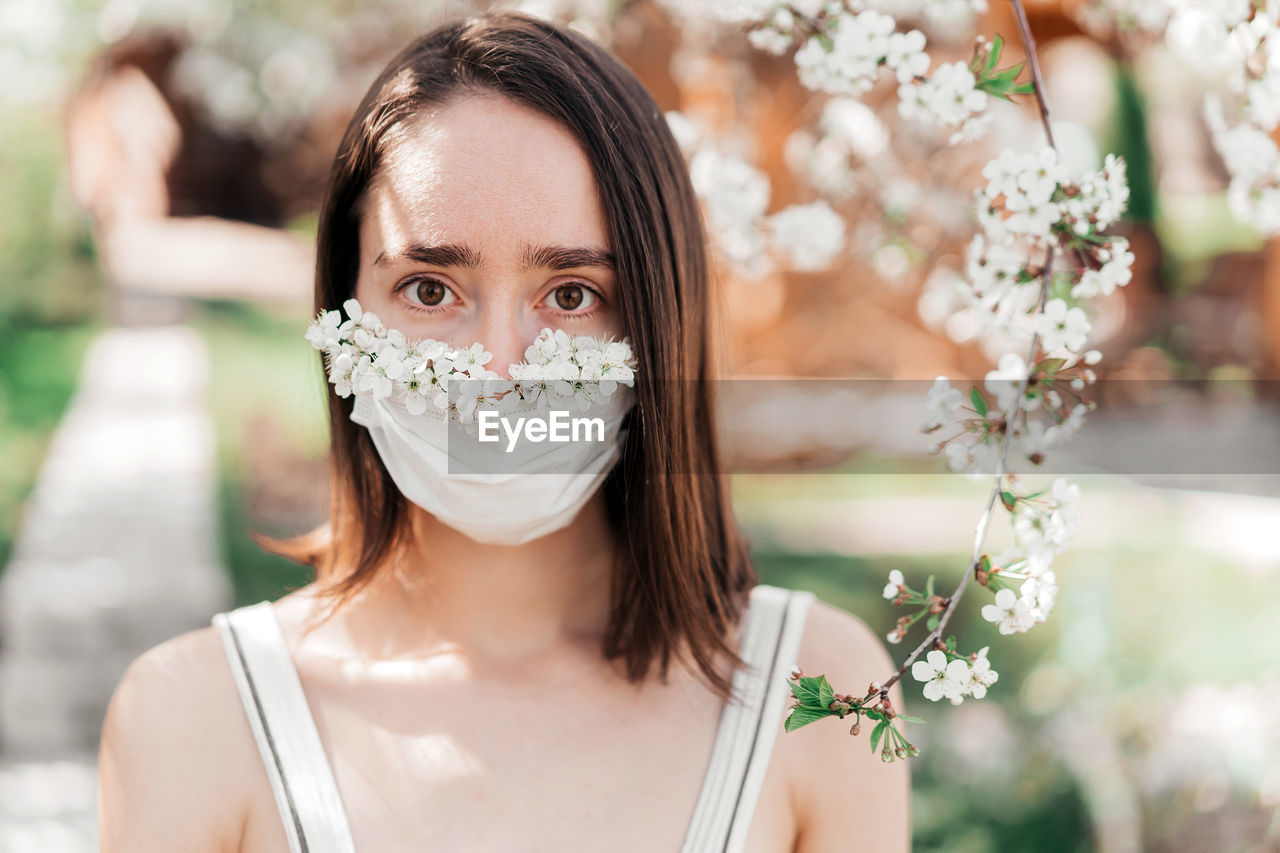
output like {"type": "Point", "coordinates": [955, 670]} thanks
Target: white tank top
{"type": "Point", "coordinates": [307, 796]}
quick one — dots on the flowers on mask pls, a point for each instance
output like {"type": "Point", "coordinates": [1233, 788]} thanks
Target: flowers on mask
{"type": "Point", "coordinates": [363, 357]}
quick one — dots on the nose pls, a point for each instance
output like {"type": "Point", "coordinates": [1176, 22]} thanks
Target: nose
{"type": "Point", "coordinates": [506, 338]}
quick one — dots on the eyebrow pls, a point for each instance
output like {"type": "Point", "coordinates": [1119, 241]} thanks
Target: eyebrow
{"type": "Point", "coordinates": [533, 257]}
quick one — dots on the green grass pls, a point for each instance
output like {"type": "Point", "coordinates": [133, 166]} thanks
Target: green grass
{"type": "Point", "coordinates": [41, 366]}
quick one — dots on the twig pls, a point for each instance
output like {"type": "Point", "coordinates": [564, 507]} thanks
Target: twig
{"type": "Point", "coordinates": [1029, 43]}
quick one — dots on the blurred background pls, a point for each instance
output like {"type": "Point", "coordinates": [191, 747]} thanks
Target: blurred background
{"type": "Point", "coordinates": [162, 165]}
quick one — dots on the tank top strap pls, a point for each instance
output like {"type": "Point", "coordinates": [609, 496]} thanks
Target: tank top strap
{"type": "Point", "coordinates": [772, 629]}
{"type": "Point", "coordinates": [285, 731]}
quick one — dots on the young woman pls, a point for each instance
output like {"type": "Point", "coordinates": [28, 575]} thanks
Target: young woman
{"type": "Point", "coordinates": [509, 668]}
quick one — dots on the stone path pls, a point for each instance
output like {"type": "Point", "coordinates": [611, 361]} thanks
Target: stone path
{"type": "Point", "coordinates": [118, 552]}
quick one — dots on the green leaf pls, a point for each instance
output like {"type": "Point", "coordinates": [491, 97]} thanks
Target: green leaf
{"type": "Point", "coordinates": [825, 694]}
{"type": "Point", "coordinates": [1001, 82]}
{"type": "Point", "coordinates": [910, 719]}
{"type": "Point", "coordinates": [928, 587]}
{"type": "Point", "coordinates": [806, 690]}
{"type": "Point", "coordinates": [979, 404]}
{"type": "Point", "coordinates": [873, 714]}
{"type": "Point", "coordinates": [803, 717]}
{"type": "Point", "coordinates": [1023, 89]}
{"type": "Point", "coordinates": [1009, 501]}
{"type": "Point", "coordinates": [993, 56]}
{"type": "Point", "coordinates": [932, 623]}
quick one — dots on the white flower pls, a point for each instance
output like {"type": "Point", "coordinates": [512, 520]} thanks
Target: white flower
{"type": "Point", "coordinates": [1040, 591]}
{"type": "Point", "coordinates": [810, 235]}
{"type": "Point", "coordinates": [953, 13]}
{"type": "Point", "coordinates": [967, 455]}
{"type": "Point", "coordinates": [734, 195]}
{"type": "Point", "coordinates": [1046, 524]}
{"type": "Point", "coordinates": [895, 583]}
{"type": "Point", "coordinates": [944, 404]}
{"type": "Point", "coordinates": [981, 675]}
{"type": "Point", "coordinates": [1263, 106]}
{"type": "Point", "coordinates": [993, 269]}
{"type": "Point", "coordinates": [323, 331]}
{"type": "Point", "coordinates": [770, 40]}
{"type": "Point", "coordinates": [1027, 182]}
{"type": "Point", "coordinates": [1004, 382]}
{"type": "Point", "coordinates": [941, 679]}
{"type": "Point", "coordinates": [1010, 613]}
{"type": "Point", "coordinates": [1246, 150]}
{"type": "Point", "coordinates": [1202, 37]}
{"type": "Point", "coordinates": [859, 43]}
{"type": "Point", "coordinates": [1116, 271]}
{"type": "Point", "coordinates": [472, 357]}
{"type": "Point", "coordinates": [1060, 327]}
{"type": "Point", "coordinates": [906, 55]}
{"type": "Point", "coordinates": [947, 97]}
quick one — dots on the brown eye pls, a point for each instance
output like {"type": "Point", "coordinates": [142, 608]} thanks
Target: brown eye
{"type": "Point", "coordinates": [431, 292]}
{"type": "Point", "coordinates": [571, 297]}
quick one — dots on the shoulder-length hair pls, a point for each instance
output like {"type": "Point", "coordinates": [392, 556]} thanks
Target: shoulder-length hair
{"type": "Point", "coordinates": [683, 573]}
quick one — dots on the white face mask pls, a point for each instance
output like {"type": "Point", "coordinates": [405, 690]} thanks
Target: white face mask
{"type": "Point", "coordinates": [451, 434]}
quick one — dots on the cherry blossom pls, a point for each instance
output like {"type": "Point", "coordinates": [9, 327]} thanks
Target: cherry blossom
{"type": "Point", "coordinates": [942, 679]}
{"type": "Point", "coordinates": [1062, 327]}
{"type": "Point", "coordinates": [1011, 614]}
{"type": "Point", "coordinates": [365, 358]}
{"type": "Point", "coordinates": [894, 587]}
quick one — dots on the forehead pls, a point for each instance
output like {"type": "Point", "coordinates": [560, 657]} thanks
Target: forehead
{"type": "Point", "coordinates": [486, 171]}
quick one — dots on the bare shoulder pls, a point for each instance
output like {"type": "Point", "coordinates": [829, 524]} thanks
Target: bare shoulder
{"type": "Point", "coordinates": [176, 752]}
{"type": "Point", "coordinates": [842, 790]}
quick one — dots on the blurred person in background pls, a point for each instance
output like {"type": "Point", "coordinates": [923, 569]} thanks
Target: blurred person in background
{"type": "Point", "coordinates": [452, 679]}
{"type": "Point", "coordinates": [176, 209]}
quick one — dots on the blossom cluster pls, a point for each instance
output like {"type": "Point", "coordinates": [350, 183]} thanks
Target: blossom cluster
{"type": "Point", "coordinates": [1235, 46]}
{"type": "Point", "coordinates": [947, 675]}
{"type": "Point", "coordinates": [735, 196]}
{"type": "Point", "coordinates": [1057, 391]}
{"type": "Point", "coordinates": [1029, 206]}
{"type": "Point", "coordinates": [845, 47]}
{"type": "Point", "coordinates": [1043, 525]}
{"type": "Point", "coordinates": [1040, 253]}
{"type": "Point", "coordinates": [363, 356]}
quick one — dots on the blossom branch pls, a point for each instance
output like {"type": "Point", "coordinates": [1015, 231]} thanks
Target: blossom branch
{"type": "Point", "coordinates": [1030, 203]}
{"type": "Point", "coordinates": [934, 637]}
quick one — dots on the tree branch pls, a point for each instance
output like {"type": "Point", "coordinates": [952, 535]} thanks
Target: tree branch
{"type": "Point", "coordinates": [1015, 408]}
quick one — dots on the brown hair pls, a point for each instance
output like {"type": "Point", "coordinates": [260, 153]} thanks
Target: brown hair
{"type": "Point", "coordinates": [683, 571]}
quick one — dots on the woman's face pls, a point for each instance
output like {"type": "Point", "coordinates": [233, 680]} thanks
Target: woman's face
{"type": "Point", "coordinates": [485, 224]}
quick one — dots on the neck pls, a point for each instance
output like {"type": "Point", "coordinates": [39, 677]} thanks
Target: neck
{"type": "Point", "coordinates": [496, 608]}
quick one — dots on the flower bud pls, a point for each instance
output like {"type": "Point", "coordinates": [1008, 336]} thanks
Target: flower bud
{"type": "Point", "coordinates": [795, 673]}
{"type": "Point", "coordinates": [900, 752]}
{"type": "Point", "coordinates": [874, 687]}
{"type": "Point", "coordinates": [856, 727]}
{"type": "Point", "coordinates": [886, 755]}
